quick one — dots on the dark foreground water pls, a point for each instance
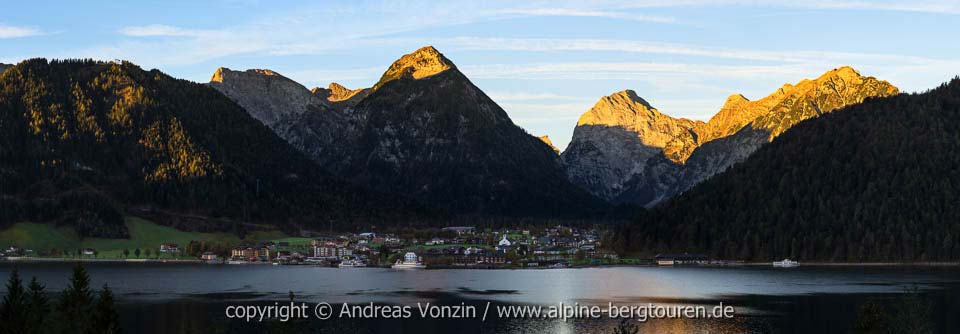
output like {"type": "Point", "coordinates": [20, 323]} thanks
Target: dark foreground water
{"type": "Point", "coordinates": [192, 298]}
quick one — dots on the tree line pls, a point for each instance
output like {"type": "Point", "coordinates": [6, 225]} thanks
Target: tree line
{"type": "Point", "coordinates": [83, 143]}
{"type": "Point", "coordinates": [878, 181]}
{"type": "Point", "coordinates": [79, 310]}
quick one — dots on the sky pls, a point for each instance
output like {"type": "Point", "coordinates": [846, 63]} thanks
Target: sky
{"type": "Point", "coordinates": [545, 63]}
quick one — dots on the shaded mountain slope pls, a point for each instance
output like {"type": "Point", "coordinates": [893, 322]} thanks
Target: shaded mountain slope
{"type": "Point", "coordinates": [879, 181]}
{"type": "Point", "coordinates": [630, 157]}
{"type": "Point", "coordinates": [426, 131]}
{"type": "Point", "coordinates": [84, 142]}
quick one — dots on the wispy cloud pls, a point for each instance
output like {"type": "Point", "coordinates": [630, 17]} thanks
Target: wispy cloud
{"type": "Point", "coordinates": [926, 6]}
{"type": "Point", "coordinates": [160, 30]}
{"type": "Point", "coordinates": [935, 6]}
{"type": "Point", "coordinates": [577, 12]}
{"type": "Point", "coordinates": [8, 31]}
{"type": "Point", "coordinates": [550, 45]}
{"type": "Point", "coordinates": [505, 96]}
{"type": "Point", "coordinates": [622, 70]}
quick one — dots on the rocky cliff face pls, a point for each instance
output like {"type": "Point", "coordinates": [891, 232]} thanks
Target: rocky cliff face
{"type": "Point", "coordinates": [740, 127]}
{"type": "Point", "coordinates": [267, 95]}
{"type": "Point", "coordinates": [546, 140]}
{"type": "Point", "coordinates": [426, 131]}
{"type": "Point", "coordinates": [4, 67]}
{"type": "Point", "coordinates": [615, 138]}
{"type": "Point", "coordinates": [338, 97]}
{"type": "Point", "coordinates": [110, 139]}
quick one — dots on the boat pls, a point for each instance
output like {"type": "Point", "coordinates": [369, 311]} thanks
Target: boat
{"type": "Point", "coordinates": [786, 263]}
{"type": "Point", "coordinates": [410, 261]}
{"type": "Point", "coordinates": [352, 264]}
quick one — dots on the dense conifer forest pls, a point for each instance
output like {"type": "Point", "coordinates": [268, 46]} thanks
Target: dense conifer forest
{"type": "Point", "coordinates": [878, 181]}
{"type": "Point", "coordinates": [84, 143]}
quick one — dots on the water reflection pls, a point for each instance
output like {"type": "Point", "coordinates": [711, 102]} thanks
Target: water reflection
{"type": "Point", "coordinates": [182, 298]}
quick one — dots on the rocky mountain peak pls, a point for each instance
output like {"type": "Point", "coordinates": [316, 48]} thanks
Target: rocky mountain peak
{"type": "Point", "coordinates": [613, 140]}
{"type": "Point", "coordinates": [338, 89]}
{"type": "Point", "coordinates": [630, 96]}
{"type": "Point", "coordinates": [624, 150]}
{"type": "Point", "coordinates": [845, 72]}
{"type": "Point", "coordinates": [268, 96]}
{"type": "Point", "coordinates": [546, 140]}
{"type": "Point", "coordinates": [833, 90]}
{"type": "Point", "coordinates": [340, 93]}
{"type": "Point", "coordinates": [735, 100]}
{"type": "Point", "coordinates": [427, 132]}
{"type": "Point", "coordinates": [424, 62]}
{"type": "Point", "coordinates": [623, 108]}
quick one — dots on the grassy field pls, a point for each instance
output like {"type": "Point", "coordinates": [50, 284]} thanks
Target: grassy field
{"type": "Point", "coordinates": [143, 235]}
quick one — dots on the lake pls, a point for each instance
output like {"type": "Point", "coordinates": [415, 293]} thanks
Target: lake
{"type": "Point", "coordinates": [192, 298]}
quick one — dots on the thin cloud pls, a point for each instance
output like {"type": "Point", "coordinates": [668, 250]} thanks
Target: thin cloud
{"type": "Point", "coordinates": [923, 6]}
{"type": "Point", "coordinates": [574, 12]}
{"type": "Point", "coordinates": [622, 70]}
{"type": "Point", "coordinates": [551, 45]}
{"type": "Point", "coordinates": [941, 7]}
{"type": "Point", "coordinates": [8, 31]}
{"type": "Point", "coordinates": [158, 30]}
{"type": "Point", "coordinates": [526, 96]}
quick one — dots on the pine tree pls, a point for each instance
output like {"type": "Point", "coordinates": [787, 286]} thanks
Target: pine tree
{"type": "Point", "coordinates": [38, 308]}
{"type": "Point", "coordinates": [13, 312]}
{"type": "Point", "coordinates": [75, 303]}
{"type": "Point", "coordinates": [105, 320]}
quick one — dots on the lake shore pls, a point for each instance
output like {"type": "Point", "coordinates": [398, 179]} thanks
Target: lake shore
{"type": "Point", "coordinates": [65, 259]}
{"type": "Point", "coordinates": [864, 264]}
{"type": "Point", "coordinates": [751, 264]}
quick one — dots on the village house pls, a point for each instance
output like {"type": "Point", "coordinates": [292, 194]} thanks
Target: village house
{"type": "Point", "coordinates": [168, 248]}
{"type": "Point", "coordinates": [243, 252]}
{"type": "Point", "coordinates": [460, 230]}
{"type": "Point", "coordinates": [680, 259]}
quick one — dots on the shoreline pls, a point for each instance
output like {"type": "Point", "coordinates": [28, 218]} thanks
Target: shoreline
{"type": "Point", "coordinates": [745, 264]}
{"type": "Point", "coordinates": [872, 264]}
{"type": "Point", "coordinates": [66, 259]}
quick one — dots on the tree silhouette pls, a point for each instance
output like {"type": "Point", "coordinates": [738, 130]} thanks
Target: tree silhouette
{"type": "Point", "coordinates": [38, 308]}
{"type": "Point", "coordinates": [105, 317]}
{"type": "Point", "coordinates": [13, 314]}
{"type": "Point", "coordinates": [75, 303]}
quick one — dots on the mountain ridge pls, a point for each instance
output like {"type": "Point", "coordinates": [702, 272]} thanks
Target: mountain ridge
{"type": "Point", "coordinates": [875, 182]}
{"type": "Point", "coordinates": [84, 143]}
{"type": "Point", "coordinates": [426, 131]}
{"type": "Point", "coordinates": [625, 165]}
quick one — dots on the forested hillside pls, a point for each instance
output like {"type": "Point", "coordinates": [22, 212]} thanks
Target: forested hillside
{"type": "Point", "coordinates": [879, 181]}
{"type": "Point", "coordinates": [85, 142]}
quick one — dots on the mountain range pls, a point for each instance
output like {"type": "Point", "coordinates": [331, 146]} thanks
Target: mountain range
{"type": "Point", "coordinates": [876, 181]}
{"type": "Point", "coordinates": [626, 151]}
{"type": "Point", "coordinates": [83, 143]}
{"type": "Point", "coordinates": [423, 130]}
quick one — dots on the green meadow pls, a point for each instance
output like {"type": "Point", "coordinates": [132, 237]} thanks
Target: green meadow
{"type": "Point", "coordinates": [143, 235]}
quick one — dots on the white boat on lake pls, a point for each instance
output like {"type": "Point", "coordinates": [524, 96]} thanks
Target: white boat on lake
{"type": "Point", "coordinates": [786, 263]}
{"type": "Point", "coordinates": [410, 261]}
{"type": "Point", "coordinates": [353, 263]}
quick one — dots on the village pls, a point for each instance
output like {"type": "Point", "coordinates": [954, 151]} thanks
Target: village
{"type": "Point", "coordinates": [463, 247]}
{"type": "Point", "coordinates": [452, 247]}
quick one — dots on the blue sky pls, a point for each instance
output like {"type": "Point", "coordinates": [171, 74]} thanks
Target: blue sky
{"type": "Point", "coordinates": [545, 63]}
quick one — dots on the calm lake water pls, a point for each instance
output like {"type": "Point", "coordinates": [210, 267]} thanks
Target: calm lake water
{"type": "Point", "coordinates": [191, 298]}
